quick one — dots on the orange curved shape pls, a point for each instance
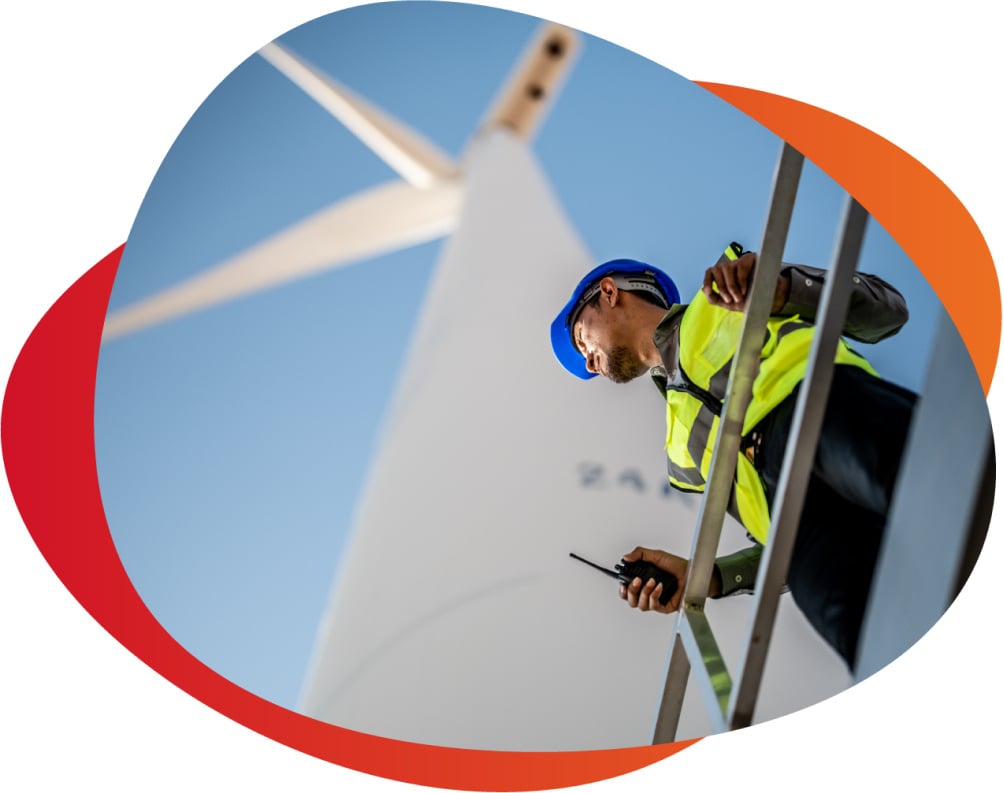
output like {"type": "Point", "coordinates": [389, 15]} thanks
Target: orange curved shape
{"type": "Point", "coordinates": [912, 204]}
{"type": "Point", "coordinates": [48, 441]}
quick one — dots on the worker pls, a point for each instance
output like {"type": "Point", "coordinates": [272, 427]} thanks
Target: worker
{"type": "Point", "coordinates": [625, 318]}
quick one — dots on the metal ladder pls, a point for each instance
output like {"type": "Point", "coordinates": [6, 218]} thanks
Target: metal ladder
{"type": "Point", "coordinates": [730, 702]}
{"type": "Point", "coordinates": [933, 535]}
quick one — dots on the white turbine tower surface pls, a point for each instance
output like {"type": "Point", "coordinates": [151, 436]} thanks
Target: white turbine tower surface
{"type": "Point", "coordinates": [457, 617]}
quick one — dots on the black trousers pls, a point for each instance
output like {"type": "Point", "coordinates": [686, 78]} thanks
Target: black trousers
{"type": "Point", "coordinates": [847, 502]}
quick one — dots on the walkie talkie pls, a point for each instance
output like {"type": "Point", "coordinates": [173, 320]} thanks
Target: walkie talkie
{"type": "Point", "coordinates": [626, 572]}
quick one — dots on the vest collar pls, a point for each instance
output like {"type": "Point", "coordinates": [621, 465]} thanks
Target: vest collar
{"type": "Point", "coordinates": [667, 342]}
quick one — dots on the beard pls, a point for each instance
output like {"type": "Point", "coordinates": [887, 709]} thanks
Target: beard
{"type": "Point", "coordinates": [623, 366]}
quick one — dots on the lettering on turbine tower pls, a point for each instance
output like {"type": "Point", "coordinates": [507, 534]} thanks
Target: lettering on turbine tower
{"type": "Point", "coordinates": [601, 476]}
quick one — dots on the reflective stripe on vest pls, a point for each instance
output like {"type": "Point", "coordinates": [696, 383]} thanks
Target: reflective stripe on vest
{"type": "Point", "coordinates": [707, 344]}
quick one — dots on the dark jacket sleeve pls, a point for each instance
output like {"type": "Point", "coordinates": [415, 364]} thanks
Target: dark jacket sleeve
{"type": "Point", "coordinates": [877, 310]}
{"type": "Point", "coordinates": [738, 570]}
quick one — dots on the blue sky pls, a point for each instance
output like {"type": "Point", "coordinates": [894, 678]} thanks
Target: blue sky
{"type": "Point", "coordinates": [231, 445]}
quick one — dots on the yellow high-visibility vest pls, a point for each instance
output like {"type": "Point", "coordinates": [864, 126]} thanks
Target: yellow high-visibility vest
{"type": "Point", "coordinates": [707, 344]}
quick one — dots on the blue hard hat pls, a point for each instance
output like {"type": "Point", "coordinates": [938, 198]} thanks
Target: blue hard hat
{"type": "Point", "coordinates": [632, 276]}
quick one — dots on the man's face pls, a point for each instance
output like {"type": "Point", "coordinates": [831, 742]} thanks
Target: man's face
{"type": "Point", "coordinates": [604, 343]}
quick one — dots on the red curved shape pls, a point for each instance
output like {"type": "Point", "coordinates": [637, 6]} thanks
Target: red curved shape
{"type": "Point", "coordinates": [48, 445]}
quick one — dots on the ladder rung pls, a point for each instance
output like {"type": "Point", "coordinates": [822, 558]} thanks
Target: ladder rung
{"type": "Point", "coordinates": [707, 665]}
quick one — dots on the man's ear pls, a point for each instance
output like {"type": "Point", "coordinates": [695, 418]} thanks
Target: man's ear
{"type": "Point", "coordinates": [609, 292]}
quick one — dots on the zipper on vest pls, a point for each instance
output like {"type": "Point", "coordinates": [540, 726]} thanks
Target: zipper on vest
{"type": "Point", "coordinates": [690, 387]}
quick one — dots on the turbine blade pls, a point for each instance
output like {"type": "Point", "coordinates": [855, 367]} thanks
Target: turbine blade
{"type": "Point", "coordinates": [380, 220]}
{"type": "Point", "coordinates": [406, 151]}
{"type": "Point", "coordinates": [534, 83]}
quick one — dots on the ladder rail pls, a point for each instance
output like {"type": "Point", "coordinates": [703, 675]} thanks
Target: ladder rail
{"type": "Point", "coordinates": [718, 488]}
{"type": "Point", "coordinates": [799, 453]}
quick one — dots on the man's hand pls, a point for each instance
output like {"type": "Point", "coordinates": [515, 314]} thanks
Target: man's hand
{"type": "Point", "coordinates": [644, 595]}
{"type": "Point", "coordinates": [726, 284]}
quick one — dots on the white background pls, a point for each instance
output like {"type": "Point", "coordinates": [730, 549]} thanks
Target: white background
{"type": "Point", "coordinates": [97, 92]}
